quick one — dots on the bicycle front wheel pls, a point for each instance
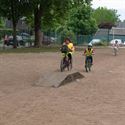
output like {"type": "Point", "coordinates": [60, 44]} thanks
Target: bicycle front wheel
{"type": "Point", "coordinates": [61, 66]}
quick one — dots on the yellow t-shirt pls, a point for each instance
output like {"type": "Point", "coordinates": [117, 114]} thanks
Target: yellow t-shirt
{"type": "Point", "coordinates": [71, 47]}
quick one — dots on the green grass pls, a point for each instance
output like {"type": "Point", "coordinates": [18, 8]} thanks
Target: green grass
{"type": "Point", "coordinates": [43, 49]}
{"type": "Point", "coordinates": [30, 50]}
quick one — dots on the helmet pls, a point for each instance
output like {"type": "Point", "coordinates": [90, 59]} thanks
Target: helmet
{"type": "Point", "coordinates": [116, 41]}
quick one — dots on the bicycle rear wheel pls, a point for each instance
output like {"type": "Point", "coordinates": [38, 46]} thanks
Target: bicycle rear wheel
{"type": "Point", "coordinates": [70, 64]}
{"type": "Point", "coordinates": [88, 65]}
{"type": "Point", "coordinates": [61, 66]}
{"type": "Point", "coordinates": [64, 63]}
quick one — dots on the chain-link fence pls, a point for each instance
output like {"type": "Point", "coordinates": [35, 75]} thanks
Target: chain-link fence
{"type": "Point", "coordinates": [57, 38]}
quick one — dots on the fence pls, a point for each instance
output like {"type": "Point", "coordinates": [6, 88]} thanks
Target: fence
{"type": "Point", "coordinates": [57, 38]}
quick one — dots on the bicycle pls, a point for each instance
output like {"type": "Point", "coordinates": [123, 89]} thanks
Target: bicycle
{"type": "Point", "coordinates": [88, 64]}
{"type": "Point", "coordinates": [65, 63]}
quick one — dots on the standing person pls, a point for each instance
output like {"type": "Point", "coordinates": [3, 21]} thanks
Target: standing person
{"type": "Point", "coordinates": [115, 47]}
{"type": "Point", "coordinates": [88, 52]}
{"type": "Point", "coordinates": [5, 41]}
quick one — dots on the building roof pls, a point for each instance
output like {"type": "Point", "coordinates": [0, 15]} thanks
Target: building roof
{"type": "Point", "coordinates": [121, 25]}
{"type": "Point", "coordinates": [102, 32]}
{"type": "Point", "coordinates": [117, 31]}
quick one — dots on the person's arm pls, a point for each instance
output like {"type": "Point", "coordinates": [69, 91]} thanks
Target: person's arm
{"type": "Point", "coordinates": [93, 52]}
{"type": "Point", "coordinates": [72, 49]}
{"type": "Point", "coordinates": [64, 43]}
{"type": "Point", "coordinates": [84, 52]}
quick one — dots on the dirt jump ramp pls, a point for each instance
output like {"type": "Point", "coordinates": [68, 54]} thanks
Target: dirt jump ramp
{"type": "Point", "coordinates": [58, 79]}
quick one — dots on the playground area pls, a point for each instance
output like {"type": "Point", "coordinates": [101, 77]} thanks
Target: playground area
{"type": "Point", "coordinates": [97, 99]}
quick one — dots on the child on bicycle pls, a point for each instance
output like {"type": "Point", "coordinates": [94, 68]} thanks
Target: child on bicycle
{"type": "Point", "coordinates": [88, 52]}
{"type": "Point", "coordinates": [70, 48]}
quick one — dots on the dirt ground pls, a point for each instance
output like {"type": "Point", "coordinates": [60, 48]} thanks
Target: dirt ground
{"type": "Point", "coordinates": [97, 99]}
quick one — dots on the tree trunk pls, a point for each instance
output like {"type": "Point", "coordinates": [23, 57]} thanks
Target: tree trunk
{"type": "Point", "coordinates": [37, 23]}
{"type": "Point", "coordinates": [15, 43]}
{"type": "Point", "coordinates": [14, 21]}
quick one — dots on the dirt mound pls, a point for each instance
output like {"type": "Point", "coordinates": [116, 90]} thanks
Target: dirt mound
{"type": "Point", "coordinates": [58, 79]}
{"type": "Point", "coordinates": [70, 78]}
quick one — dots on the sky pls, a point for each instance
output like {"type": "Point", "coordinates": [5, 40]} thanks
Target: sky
{"type": "Point", "coordinates": [119, 5]}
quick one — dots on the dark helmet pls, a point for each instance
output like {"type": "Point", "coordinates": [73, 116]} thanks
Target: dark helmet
{"type": "Point", "coordinates": [116, 41]}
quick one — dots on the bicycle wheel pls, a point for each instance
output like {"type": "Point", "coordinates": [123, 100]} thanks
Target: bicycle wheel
{"type": "Point", "coordinates": [88, 65]}
{"type": "Point", "coordinates": [61, 66]}
{"type": "Point", "coordinates": [70, 64]}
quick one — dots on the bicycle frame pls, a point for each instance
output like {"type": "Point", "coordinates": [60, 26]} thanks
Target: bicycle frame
{"type": "Point", "coordinates": [65, 63]}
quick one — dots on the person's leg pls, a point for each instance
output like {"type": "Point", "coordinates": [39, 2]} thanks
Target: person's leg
{"type": "Point", "coordinates": [70, 57]}
{"type": "Point", "coordinates": [91, 59]}
{"type": "Point", "coordinates": [86, 58]}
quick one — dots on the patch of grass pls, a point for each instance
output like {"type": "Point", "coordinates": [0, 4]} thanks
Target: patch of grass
{"type": "Point", "coordinates": [30, 50]}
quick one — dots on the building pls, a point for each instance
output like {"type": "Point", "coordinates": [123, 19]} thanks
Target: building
{"type": "Point", "coordinates": [21, 26]}
{"type": "Point", "coordinates": [117, 32]}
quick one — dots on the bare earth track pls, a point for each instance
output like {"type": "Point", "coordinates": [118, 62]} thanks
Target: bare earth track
{"type": "Point", "coordinates": [97, 99]}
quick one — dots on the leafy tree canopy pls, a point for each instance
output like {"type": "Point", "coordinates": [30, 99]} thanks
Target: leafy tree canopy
{"type": "Point", "coordinates": [105, 16]}
{"type": "Point", "coordinates": [81, 20]}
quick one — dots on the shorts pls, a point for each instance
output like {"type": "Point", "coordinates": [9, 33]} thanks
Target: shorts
{"type": "Point", "coordinates": [89, 57]}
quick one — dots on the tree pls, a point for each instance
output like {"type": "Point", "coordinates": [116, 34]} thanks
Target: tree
{"type": "Point", "coordinates": [44, 13]}
{"type": "Point", "coordinates": [51, 13]}
{"type": "Point", "coordinates": [79, 2]}
{"type": "Point", "coordinates": [104, 15]}
{"type": "Point", "coordinates": [13, 10]}
{"type": "Point", "coordinates": [106, 18]}
{"type": "Point", "coordinates": [81, 20]}
{"type": "Point", "coordinates": [2, 24]}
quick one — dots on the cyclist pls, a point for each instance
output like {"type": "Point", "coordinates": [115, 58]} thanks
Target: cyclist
{"type": "Point", "coordinates": [71, 48]}
{"type": "Point", "coordinates": [88, 52]}
{"type": "Point", "coordinates": [67, 50]}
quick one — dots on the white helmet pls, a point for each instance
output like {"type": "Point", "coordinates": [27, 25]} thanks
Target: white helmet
{"type": "Point", "coordinates": [90, 45]}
